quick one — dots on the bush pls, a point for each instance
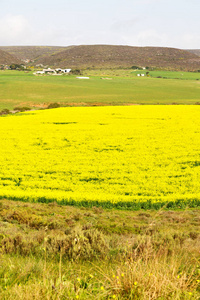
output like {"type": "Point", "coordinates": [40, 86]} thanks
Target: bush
{"type": "Point", "coordinates": [134, 67]}
{"type": "Point", "coordinates": [16, 67]}
{"type": "Point", "coordinates": [79, 244]}
{"type": "Point", "coordinates": [21, 109]}
{"type": "Point", "coordinates": [75, 72]}
{"type": "Point", "coordinates": [5, 112]}
{"type": "Point", "coordinates": [53, 105]}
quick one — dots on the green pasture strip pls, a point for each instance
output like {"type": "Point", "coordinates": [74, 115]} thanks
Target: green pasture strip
{"type": "Point", "coordinates": [25, 89]}
{"type": "Point", "coordinates": [128, 73]}
{"type": "Point", "coordinates": [175, 75]}
{"type": "Point", "coordinates": [121, 205]}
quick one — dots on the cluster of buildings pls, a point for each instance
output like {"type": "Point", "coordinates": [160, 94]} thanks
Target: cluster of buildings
{"type": "Point", "coordinates": [52, 71]}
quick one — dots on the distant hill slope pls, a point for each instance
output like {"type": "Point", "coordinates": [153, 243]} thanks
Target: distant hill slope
{"type": "Point", "coordinates": [31, 52]}
{"type": "Point", "coordinates": [105, 56]}
{"type": "Point", "coordinates": [122, 56]}
{"type": "Point", "coordinates": [195, 51]}
{"type": "Point", "coordinates": [7, 58]}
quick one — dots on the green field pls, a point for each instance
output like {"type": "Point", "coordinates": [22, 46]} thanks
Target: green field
{"type": "Point", "coordinates": [25, 89]}
{"type": "Point", "coordinates": [175, 75]}
{"type": "Point", "coordinates": [152, 73]}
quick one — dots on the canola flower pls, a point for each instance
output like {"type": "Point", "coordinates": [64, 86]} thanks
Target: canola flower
{"type": "Point", "coordinates": [112, 156]}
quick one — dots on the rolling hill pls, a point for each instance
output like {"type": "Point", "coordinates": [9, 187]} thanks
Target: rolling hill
{"type": "Point", "coordinates": [7, 58]}
{"type": "Point", "coordinates": [195, 51]}
{"type": "Point", "coordinates": [31, 52]}
{"type": "Point", "coordinates": [102, 56]}
{"type": "Point", "coordinates": [105, 56]}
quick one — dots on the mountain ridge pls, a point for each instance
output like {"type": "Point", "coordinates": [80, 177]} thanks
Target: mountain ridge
{"type": "Point", "coordinates": [107, 56]}
{"type": "Point", "coordinates": [101, 56]}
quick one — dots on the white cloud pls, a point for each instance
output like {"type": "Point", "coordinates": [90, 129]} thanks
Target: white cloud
{"type": "Point", "coordinates": [146, 38]}
{"type": "Point", "coordinates": [126, 25]}
{"type": "Point", "coordinates": [19, 30]}
{"type": "Point", "coordinates": [191, 40]}
{"type": "Point", "coordinates": [148, 1]}
{"type": "Point", "coordinates": [14, 28]}
{"type": "Point", "coordinates": [150, 37]}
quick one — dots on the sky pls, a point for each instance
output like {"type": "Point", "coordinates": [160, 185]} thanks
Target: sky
{"type": "Point", "coordinates": [162, 23]}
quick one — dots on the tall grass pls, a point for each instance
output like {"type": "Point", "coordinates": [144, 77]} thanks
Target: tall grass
{"type": "Point", "coordinates": [75, 260]}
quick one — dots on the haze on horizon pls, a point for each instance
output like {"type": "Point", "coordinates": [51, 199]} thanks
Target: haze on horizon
{"type": "Point", "coordinates": [163, 23]}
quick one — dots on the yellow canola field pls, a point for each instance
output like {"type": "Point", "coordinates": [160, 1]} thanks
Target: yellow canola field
{"type": "Point", "coordinates": [102, 155]}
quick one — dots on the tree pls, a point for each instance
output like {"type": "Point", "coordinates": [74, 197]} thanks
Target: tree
{"type": "Point", "coordinates": [75, 71]}
{"type": "Point", "coordinates": [16, 67]}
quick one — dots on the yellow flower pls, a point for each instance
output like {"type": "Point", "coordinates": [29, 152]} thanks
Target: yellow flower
{"type": "Point", "coordinates": [45, 139]}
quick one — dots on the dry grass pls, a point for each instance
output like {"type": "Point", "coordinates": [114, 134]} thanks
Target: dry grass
{"type": "Point", "coordinates": [157, 257]}
{"type": "Point", "coordinates": [152, 274]}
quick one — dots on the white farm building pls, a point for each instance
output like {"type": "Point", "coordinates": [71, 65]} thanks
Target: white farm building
{"type": "Point", "coordinates": [59, 70]}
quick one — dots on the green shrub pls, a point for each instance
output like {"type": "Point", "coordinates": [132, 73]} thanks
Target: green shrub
{"type": "Point", "coordinates": [21, 109]}
{"type": "Point", "coordinates": [75, 71]}
{"type": "Point", "coordinates": [5, 111]}
{"type": "Point", "coordinates": [53, 105]}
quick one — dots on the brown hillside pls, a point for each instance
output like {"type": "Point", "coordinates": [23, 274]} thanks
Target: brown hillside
{"type": "Point", "coordinates": [122, 56]}
{"type": "Point", "coordinates": [31, 52]}
{"type": "Point", "coordinates": [7, 59]}
{"type": "Point", "coordinates": [195, 51]}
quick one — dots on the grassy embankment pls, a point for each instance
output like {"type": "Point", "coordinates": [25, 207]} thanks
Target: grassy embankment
{"type": "Point", "coordinates": [55, 252]}
{"type": "Point", "coordinates": [24, 89]}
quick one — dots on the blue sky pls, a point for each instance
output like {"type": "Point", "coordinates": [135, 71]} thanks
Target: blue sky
{"type": "Point", "coordinates": [170, 23]}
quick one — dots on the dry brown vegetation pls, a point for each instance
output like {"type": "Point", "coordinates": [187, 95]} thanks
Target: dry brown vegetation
{"type": "Point", "coordinates": [7, 59]}
{"type": "Point", "coordinates": [50, 251]}
{"type": "Point", "coordinates": [107, 56]}
{"type": "Point", "coordinates": [31, 52]}
{"type": "Point", "coordinates": [96, 56]}
{"type": "Point", "coordinates": [195, 51]}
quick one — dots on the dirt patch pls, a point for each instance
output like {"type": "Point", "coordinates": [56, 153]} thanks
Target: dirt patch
{"type": "Point", "coordinates": [74, 104]}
